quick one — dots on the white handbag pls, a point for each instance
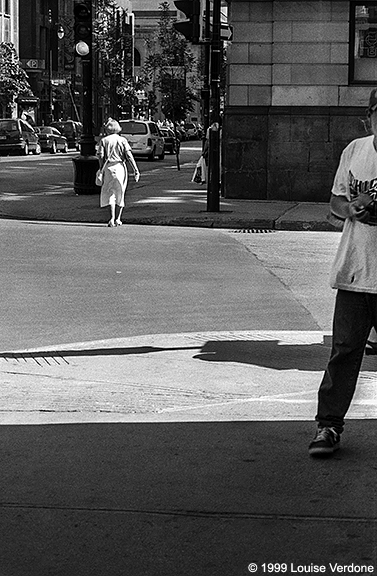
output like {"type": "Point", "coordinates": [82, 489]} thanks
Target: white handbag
{"type": "Point", "coordinates": [99, 175]}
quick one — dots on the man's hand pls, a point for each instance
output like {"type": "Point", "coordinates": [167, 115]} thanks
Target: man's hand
{"type": "Point", "coordinates": [358, 208]}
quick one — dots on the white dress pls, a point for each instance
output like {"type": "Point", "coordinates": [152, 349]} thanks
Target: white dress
{"type": "Point", "coordinates": [113, 149]}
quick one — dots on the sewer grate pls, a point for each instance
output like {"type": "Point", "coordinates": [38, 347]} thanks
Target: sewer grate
{"type": "Point", "coordinates": [253, 231]}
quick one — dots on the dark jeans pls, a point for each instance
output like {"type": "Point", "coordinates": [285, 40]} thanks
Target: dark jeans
{"type": "Point", "coordinates": [355, 314]}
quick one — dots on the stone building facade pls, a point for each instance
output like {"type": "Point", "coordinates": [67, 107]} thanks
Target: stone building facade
{"type": "Point", "coordinates": [9, 22]}
{"type": "Point", "coordinates": [299, 77]}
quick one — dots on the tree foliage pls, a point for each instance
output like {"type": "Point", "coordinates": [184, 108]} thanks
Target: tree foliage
{"type": "Point", "coordinates": [112, 42]}
{"type": "Point", "coordinates": [168, 68]}
{"type": "Point", "coordinates": [13, 79]}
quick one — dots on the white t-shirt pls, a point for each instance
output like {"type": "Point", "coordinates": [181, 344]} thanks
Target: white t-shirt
{"type": "Point", "coordinates": [355, 265]}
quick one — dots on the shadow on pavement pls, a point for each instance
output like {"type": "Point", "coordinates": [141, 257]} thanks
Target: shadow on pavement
{"type": "Point", "coordinates": [270, 354]}
{"type": "Point", "coordinates": [93, 352]}
{"type": "Point", "coordinates": [182, 498]}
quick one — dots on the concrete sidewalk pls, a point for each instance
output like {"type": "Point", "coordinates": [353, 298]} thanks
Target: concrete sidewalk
{"type": "Point", "coordinates": [180, 454]}
{"type": "Point", "coordinates": [150, 201]}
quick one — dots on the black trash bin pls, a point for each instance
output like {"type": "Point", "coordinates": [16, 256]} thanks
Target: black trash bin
{"type": "Point", "coordinates": [85, 168]}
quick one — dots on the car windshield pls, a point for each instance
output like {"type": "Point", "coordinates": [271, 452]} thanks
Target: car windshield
{"type": "Point", "coordinates": [133, 127]}
{"type": "Point", "coordinates": [64, 127]}
{"type": "Point", "coordinates": [8, 126]}
{"type": "Point", "coordinates": [47, 130]}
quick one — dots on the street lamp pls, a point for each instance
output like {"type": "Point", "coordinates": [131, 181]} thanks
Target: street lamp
{"type": "Point", "coordinates": [60, 34]}
{"type": "Point", "coordinates": [85, 165]}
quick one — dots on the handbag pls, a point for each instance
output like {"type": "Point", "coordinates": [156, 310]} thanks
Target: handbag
{"type": "Point", "coordinates": [99, 174]}
{"type": "Point", "coordinates": [99, 177]}
{"type": "Point", "coordinates": [199, 175]}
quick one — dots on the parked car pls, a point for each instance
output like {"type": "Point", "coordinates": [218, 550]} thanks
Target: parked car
{"type": "Point", "coordinates": [144, 137]}
{"type": "Point", "coordinates": [51, 140]}
{"type": "Point", "coordinates": [172, 143]}
{"type": "Point", "coordinates": [181, 133]}
{"type": "Point", "coordinates": [71, 130]}
{"type": "Point", "coordinates": [18, 137]}
{"type": "Point", "coordinates": [191, 131]}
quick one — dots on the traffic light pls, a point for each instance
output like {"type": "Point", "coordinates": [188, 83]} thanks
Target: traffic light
{"type": "Point", "coordinates": [189, 28]}
{"type": "Point", "coordinates": [83, 27]}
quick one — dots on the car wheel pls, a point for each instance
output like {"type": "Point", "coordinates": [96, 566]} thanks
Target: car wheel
{"type": "Point", "coordinates": [53, 148]}
{"type": "Point", "coordinates": [152, 155]}
{"type": "Point", "coordinates": [37, 150]}
{"type": "Point", "coordinates": [65, 149]}
{"type": "Point", "coordinates": [26, 150]}
{"type": "Point", "coordinates": [161, 156]}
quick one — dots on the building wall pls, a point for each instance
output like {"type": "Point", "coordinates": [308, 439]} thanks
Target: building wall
{"type": "Point", "coordinates": [9, 22]}
{"type": "Point", "coordinates": [290, 109]}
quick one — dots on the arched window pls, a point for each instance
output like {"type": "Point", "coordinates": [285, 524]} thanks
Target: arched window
{"type": "Point", "coordinates": [137, 59]}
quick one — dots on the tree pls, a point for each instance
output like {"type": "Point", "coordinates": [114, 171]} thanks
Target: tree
{"type": "Point", "coordinates": [168, 67]}
{"type": "Point", "coordinates": [13, 79]}
{"type": "Point", "coordinates": [112, 42]}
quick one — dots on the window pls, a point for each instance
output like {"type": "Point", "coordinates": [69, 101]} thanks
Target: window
{"type": "Point", "coordinates": [137, 58]}
{"type": "Point", "coordinates": [130, 127]}
{"type": "Point", "coordinates": [7, 6]}
{"type": "Point", "coordinates": [363, 43]}
{"type": "Point", "coordinates": [7, 30]}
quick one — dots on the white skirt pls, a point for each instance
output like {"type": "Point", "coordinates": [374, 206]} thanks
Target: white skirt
{"type": "Point", "coordinates": [114, 185]}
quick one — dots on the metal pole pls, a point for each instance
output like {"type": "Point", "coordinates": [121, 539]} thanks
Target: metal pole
{"type": "Point", "coordinates": [50, 100]}
{"type": "Point", "coordinates": [88, 147]}
{"type": "Point", "coordinates": [207, 51]}
{"type": "Point", "coordinates": [213, 189]}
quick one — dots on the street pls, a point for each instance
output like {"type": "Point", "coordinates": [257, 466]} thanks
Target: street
{"type": "Point", "coordinates": [51, 173]}
{"type": "Point", "coordinates": [70, 283]}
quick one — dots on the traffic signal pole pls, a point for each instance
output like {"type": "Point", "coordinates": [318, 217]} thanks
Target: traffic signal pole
{"type": "Point", "coordinates": [213, 184]}
{"type": "Point", "coordinates": [207, 53]}
{"type": "Point", "coordinates": [85, 165]}
{"type": "Point", "coordinates": [88, 145]}
{"type": "Point", "coordinates": [213, 49]}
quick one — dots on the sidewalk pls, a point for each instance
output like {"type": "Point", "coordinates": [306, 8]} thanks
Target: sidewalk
{"type": "Point", "coordinates": [180, 454]}
{"type": "Point", "coordinates": [182, 204]}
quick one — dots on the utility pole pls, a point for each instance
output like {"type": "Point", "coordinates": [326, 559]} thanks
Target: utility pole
{"type": "Point", "coordinates": [207, 53]}
{"type": "Point", "coordinates": [85, 165]}
{"type": "Point", "coordinates": [191, 29]}
{"type": "Point", "coordinates": [213, 185]}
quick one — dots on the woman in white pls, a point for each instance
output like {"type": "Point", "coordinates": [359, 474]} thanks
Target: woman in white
{"type": "Point", "coordinates": [113, 151]}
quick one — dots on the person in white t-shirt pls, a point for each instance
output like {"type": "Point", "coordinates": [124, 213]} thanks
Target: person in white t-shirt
{"type": "Point", "coordinates": [354, 275]}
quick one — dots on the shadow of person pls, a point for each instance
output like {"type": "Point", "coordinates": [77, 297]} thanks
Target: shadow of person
{"type": "Point", "coordinates": [271, 354]}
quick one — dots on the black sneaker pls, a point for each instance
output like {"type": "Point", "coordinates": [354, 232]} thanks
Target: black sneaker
{"type": "Point", "coordinates": [370, 348]}
{"type": "Point", "coordinates": [325, 442]}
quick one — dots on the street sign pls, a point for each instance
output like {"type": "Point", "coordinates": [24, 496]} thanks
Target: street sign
{"type": "Point", "coordinates": [226, 32]}
{"type": "Point", "coordinates": [33, 64]}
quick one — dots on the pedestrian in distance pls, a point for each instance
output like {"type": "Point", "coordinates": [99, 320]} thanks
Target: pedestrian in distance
{"type": "Point", "coordinates": [113, 152]}
{"type": "Point", "coordinates": [354, 275]}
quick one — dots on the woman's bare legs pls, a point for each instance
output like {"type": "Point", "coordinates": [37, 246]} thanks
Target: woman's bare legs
{"type": "Point", "coordinates": [118, 221]}
{"type": "Point", "coordinates": [112, 215]}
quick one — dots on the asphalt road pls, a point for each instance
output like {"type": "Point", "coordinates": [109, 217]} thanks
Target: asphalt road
{"type": "Point", "coordinates": [48, 172]}
{"type": "Point", "coordinates": [73, 283]}
{"type": "Point", "coordinates": [66, 283]}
